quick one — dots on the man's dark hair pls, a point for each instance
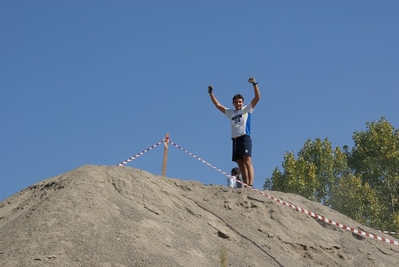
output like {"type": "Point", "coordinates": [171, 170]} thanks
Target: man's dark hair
{"type": "Point", "coordinates": [238, 96]}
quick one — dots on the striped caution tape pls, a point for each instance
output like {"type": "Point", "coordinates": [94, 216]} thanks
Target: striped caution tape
{"type": "Point", "coordinates": [141, 153]}
{"type": "Point", "coordinates": [312, 214]}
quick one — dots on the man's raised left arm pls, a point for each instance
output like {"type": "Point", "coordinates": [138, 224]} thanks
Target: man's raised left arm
{"type": "Point", "coordinates": [256, 91]}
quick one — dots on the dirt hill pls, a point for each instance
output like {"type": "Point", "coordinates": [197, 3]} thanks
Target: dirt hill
{"type": "Point", "coordinates": [107, 216]}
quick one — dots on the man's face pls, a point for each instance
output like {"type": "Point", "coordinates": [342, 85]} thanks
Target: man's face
{"type": "Point", "coordinates": [238, 103]}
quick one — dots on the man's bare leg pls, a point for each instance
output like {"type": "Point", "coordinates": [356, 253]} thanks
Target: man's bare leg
{"type": "Point", "coordinates": [247, 161]}
{"type": "Point", "coordinates": [244, 170]}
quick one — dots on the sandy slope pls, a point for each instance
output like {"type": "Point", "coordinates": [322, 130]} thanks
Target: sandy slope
{"type": "Point", "coordinates": [119, 216]}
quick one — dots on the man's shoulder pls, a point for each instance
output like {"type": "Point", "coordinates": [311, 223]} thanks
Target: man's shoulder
{"type": "Point", "coordinates": [228, 111]}
{"type": "Point", "coordinates": [248, 108]}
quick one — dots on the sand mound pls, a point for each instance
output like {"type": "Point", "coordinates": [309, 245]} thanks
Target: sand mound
{"type": "Point", "coordinates": [120, 216]}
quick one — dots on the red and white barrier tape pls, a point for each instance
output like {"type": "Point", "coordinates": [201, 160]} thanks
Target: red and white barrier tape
{"type": "Point", "coordinates": [203, 161]}
{"type": "Point", "coordinates": [198, 158]}
{"type": "Point", "coordinates": [141, 153]}
{"type": "Point", "coordinates": [324, 219]}
{"type": "Point", "coordinates": [312, 214]}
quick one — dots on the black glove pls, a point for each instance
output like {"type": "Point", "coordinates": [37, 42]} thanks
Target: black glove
{"type": "Point", "coordinates": [252, 80]}
{"type": "Point", "coordinates": [210, 89]}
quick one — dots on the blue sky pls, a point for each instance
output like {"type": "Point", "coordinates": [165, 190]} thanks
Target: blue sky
{"type": "Point", "coordinates": [96, 82]}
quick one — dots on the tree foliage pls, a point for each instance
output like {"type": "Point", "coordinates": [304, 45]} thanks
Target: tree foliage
{"type": "Point", "coordinates": [356, 200]}
{"type": "Point", "coordinates": [361, 182]}
{"type": "Point", "coordinates": [375, 158]}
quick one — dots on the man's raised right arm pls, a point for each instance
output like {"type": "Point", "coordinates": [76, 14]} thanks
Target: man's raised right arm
{"type": "Point", "coordinates": [215, 101]}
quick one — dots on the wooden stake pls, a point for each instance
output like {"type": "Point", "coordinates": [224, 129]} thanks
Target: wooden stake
{"type": "Point", "coordinates": [165, 155]}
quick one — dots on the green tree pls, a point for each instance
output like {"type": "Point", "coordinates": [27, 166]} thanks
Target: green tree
{"type": "Point", "coordinates": [329, 166]}
{"type": "Point", "coordinates": [375, 158]}
{"type": "Point", "coordinates": [356, 200]}
{"type": "Point", "coordinates": [314, 174]}
{"type": "Point", "coordinates": [362, 183]}
{"type": "Point", "coordinates": [299, 177]}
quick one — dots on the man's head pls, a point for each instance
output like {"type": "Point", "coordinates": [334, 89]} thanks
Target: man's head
{"type": "Point", "coordinates": [238, 101]}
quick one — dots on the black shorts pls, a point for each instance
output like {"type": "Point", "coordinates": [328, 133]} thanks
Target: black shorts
{"type": "Point", "coordinates": [242, 146]}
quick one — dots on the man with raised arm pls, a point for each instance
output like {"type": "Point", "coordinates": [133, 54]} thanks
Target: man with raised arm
{"type": "Point", "coordinates": [240, 120]}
